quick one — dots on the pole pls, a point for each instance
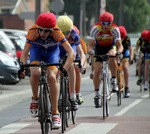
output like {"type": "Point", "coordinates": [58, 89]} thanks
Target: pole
{"type": "Point", "coordinates": [37, 8]}
{"type": "Point", "coordinates": [120, 12]}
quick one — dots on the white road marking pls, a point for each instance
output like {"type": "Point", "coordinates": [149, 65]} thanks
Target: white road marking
{"type": "Point", "coordinates": [131, 105]}
{"type": "Point", "coordinates": [11, 128]}
{"type": "Point", "coordinates": [92, 128]}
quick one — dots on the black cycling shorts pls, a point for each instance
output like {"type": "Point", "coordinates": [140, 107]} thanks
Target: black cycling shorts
{"type": "Point", "coordinates": [102, 50]}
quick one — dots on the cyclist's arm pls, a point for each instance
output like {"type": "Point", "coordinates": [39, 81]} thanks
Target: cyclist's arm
{"type": "Point", "coordinates": [136, 49]}
{"type": "Point", "coordinates": [25, 53]}
{"type": "Point", "coordinates": [82, 55]}
{"type": "Point", "coordinates": [70, 57]}
{"type": "Point", "coordinates": [91, 44]}
{"type": "Point", "coordinates": [119, 46]}
{"type": "Point", "coordinates": [131, 52]}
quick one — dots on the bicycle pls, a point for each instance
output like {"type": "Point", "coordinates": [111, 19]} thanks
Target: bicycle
{"type": "Point", "coordinates": [64, 100]}
{"type": "Point", "coordinates": [120, 80]}
{"type": "Point", "coordinates": [44, 109]}
{"type": "Point", "coordinates": [106, 93]}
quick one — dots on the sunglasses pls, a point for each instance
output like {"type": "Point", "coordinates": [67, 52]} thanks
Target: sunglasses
{"type": "Point", "coordinates": [66, 33]}
{"type": "Point", "coordinates": [45, 30]}
{"type": "Point", "coordinates": [106, 23]}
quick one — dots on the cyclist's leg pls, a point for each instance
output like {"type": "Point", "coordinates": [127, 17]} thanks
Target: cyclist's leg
{"type": "Point", "coordinates": [78, 86]}
{"type": "Point", "coordinates": [147, 63]}
{"type": "Point", "coordinates": [139, 71]}
{"type": "Point", "coordinates": [113, 68]}
{"type": "Point", "coordinates": [125, 63]}
{"type": "Point", "coordinates": [96, 82]}
{"type": "Point", "coordinates": [52, 72]}
{"type": "Point", "coordinates": [34, 80]}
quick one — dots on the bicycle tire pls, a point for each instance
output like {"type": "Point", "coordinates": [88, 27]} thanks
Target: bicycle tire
{"type": "Point", "coordinates": [142, 75]}
{"type": "Point", "coordinates": [108, 96]}
{"type": "Point", "coordinates": [68, 104]}
{"type": "Point", "coordinates": [104, 95]}
{"type": "Point", "coordinates": [63, 114]}
{"type": "Point", "coordinates": [44, 112]}
{"type": "Point", "coordinates": [118, 92]}
{"type": "Point", "coordinates": [73, 113]}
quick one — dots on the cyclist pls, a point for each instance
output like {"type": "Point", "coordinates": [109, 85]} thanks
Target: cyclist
{"type": "Point", "coordinates": [140, 45]}
{"type": "Point", "coordinates": [78, 74]}
{"type": "Point", "coordinates": [105, 34]}
{"type": "Point", "coordinates": [66, 25]}
{"type": "Point", "coordinates": [43, 43]}
{"type": "Point", "coordinates": [127, 51]}
{"type": "Point", "coordinates": [147, 60]}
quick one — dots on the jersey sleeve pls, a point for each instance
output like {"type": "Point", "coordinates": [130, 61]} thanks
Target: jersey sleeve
{"type": "Point", "coordinates": [32, 35]}
{"type": "Point", "coordinates": [59, 36]}
{"type": "Point", "coordinates": [94, 31]}
{"type": "Point", "coordinates": [128, 41]}
{"type": "Point", "coordinates": [83, 45]}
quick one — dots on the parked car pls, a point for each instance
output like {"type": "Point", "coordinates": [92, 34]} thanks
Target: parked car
{"type": "Point", "coordinates": [18, 38]}
{"type": "Point", "coordinates": [21, 33]}
{"type": "Point", "coordinates": [9, 68]}
{"type": "Point", "coordinates": [7, 46]}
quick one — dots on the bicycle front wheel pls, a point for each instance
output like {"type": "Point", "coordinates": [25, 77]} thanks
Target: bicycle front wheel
{"type": "Point", "coordinates": [63, 112]}
{"type": "Point", "coordinates": [104, 95]}
{"type": "Point", "coordinates": [44, 109]}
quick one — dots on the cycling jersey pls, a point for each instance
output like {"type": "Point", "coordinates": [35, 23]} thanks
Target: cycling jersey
{"type": "Point", "coordinates": [84, 48]}
{"type": "Point", "coordinates": [126, 43]}
{"type": "Point", "coordinates": [73, 39]}
{"type": "Point", "coordinates": [143, 44]}
{"type": "Point", "coordinates": [47, 49]}
{"type": "Point", "coordinates": [104, 38]}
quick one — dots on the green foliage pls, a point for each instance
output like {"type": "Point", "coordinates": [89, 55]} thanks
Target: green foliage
{"type": "Point", "coordinates": [135, 12]}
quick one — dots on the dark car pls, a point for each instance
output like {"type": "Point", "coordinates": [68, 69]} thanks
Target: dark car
{"type": "Point", "coordinates": [9, 68]}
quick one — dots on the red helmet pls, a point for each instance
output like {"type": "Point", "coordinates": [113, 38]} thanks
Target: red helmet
{"type": "Point", "coordinates": [106, 17]}
{"type": "Point", "coordinates": [148, 36]}
{"type": "Point", "coordinates": [144, 34]}
{"type": "Point", "coordinates": [77, 30]}
{"type": "Point", "coordinates": [46, 20]}
{"type": "Point", "coordinates": [123, 31]}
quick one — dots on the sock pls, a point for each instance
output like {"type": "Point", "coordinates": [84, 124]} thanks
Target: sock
{"type": "Point", "coordinates": [78, 94]}
{"type": "Point", "coordinates": [35, 98]}
{"type": "Point", "coordinates": [73, 95]}
{"type": "Point", "coordinates": [113, 79]}
{"type": "Point", "coordinates": [55, 112]}
{"type": "Point", "coordinates": [97, 92]}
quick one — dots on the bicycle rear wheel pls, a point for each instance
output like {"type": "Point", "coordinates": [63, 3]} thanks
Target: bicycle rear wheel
{"type": "Point", "coordinates": [63, 112]}
{"type": "Point", "coordinates": [118, 92]}
{"type": "Point", "coordinates": [73, 113]}
{"type": "Point", "coordinates": [44, 109]}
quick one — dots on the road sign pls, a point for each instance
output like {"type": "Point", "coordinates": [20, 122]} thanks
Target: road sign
{"type": "Point", "coordinates": [57, 6]}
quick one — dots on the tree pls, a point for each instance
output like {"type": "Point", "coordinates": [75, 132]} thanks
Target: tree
{"type": "Point", "coordinates": [135, 14]}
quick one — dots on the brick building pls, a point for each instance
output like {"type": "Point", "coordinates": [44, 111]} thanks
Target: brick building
{"type": "Point", "coordinates": [10, 11]}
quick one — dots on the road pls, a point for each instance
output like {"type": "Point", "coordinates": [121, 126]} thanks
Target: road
{"type": "Point", "coordinates": [132, 116]}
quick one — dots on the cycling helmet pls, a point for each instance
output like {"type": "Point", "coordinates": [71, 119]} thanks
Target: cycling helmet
{"type": "Point", "coordinates": [106, 17]}
{"type": "Point", "coordinates": [77, 30]}
{"type": "Point", "coordinates": [123, 31]}
{"type": "Point", "coordinates": [148, 36]}
{"type": "Point", "coordinates": [64, 23]}
{"type": "Point", "coordinates": [46, 20]}
{"type": "Point", "coordinates": [144, 34]}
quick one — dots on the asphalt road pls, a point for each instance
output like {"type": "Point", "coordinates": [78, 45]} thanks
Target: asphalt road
{"type": "Point", "coordinates": [132, 116]}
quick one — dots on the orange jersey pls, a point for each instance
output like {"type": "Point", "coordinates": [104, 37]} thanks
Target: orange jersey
{"type": "Point", "coordinates": [83, 45]}
{"type": "Point", "coordinates": [55, 37]}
